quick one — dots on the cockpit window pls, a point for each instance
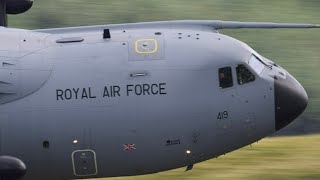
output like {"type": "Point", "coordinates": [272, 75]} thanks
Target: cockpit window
{"type": "Point", "coordinates": [244, 75]}
{"type": "Point", "coordinates": [225, 77]}
{"type": "Point", "coordinates": [256, 64]}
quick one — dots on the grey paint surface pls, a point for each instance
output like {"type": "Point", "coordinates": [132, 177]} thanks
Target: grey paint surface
{"type": "Point", "coordinates": [63, 123]}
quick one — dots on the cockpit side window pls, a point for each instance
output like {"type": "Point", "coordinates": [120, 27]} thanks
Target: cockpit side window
{"type": "Point", "coordinates": [225, 77]}
{"type": "Point", "coordinates": [244, 75]}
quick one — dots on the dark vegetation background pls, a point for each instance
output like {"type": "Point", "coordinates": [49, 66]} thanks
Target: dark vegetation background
{"type": "Point", "coordinates": [298, 51]}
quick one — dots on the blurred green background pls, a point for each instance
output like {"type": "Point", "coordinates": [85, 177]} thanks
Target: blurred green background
{"type": "Point", "coordinates": [298, 51]}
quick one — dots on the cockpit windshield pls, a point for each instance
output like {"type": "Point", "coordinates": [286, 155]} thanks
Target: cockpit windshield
{"type": "Point", "coordinates": [256, 64]}
{"type": "Point", "coordinates": [256, 55]}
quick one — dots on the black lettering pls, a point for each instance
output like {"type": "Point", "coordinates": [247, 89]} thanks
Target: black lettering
{"type": "Point", "coordinates": [219, 116]}
{"type": "Point", "coordinates": [112, 92]}
{"type": "Point", "coordinates": [162, 89]}
{"type": "Point", "coordinates": [84, 94]}
{"type": "Point", "coordinates": [116, 90]}
{"type": "Point", "coordinates": [129, 89]}
{"type": "Point", "coordinates": [90, 95]}
{"type": "Point", "coordinates": [154, 87]}
{"type": "Point", "coordinates": [146, 89]}
{"type": "Point", "coordinates": [59, 93]}
{"type": "Point", "coordinates": [76, 92]}
{"type": "Point", "coordinates": [68, 94]}
{"type": "Point", "coordinates": [106, 92]}
{"type": "Point", "coordinates": [138, 90]}
{"type": "Point", "coordinates": [225, 114]}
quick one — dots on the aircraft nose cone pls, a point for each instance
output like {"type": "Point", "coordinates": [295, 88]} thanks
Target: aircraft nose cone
{"type": "Point", "coordinates": [290, 100]}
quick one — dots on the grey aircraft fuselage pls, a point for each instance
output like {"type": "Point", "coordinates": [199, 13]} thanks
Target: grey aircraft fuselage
{"type": "Point", "coordinates": [133, 99]}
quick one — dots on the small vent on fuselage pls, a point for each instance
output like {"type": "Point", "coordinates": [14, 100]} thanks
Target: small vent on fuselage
{"type": "Point", "coordinates": [70, 40]}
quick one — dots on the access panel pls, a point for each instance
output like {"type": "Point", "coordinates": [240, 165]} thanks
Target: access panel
{"type": "Point", "coordinates": [84, 163]}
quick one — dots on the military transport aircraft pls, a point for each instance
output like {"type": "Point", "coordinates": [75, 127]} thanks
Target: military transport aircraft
{"type": "Point", "coordinates": [132, 99]}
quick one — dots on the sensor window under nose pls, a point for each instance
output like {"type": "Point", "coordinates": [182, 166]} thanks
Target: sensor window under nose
{"type": "Point", "coordinates": [225, 77]}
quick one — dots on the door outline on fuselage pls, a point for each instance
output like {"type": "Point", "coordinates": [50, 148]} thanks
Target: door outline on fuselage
{"type": "Point", "coordinates": [4, 123]}
{"type": "Point", "coordinates": [249, 121]}
{"type": "Point", "coordinates": [225, 126]}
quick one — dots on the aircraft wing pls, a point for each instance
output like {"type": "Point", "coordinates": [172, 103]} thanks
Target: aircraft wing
{"type": "Point", "coordinates": [186, 24]}
{"type": "Point", "coordinates": [265, 25]}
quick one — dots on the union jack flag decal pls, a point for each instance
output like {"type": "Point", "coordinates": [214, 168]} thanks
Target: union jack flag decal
{"type": "Point", "coordinates": [129, 147]}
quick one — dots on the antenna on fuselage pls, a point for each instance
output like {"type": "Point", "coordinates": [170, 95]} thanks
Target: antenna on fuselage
{"type": "Point", "coordinates": [3, 13]}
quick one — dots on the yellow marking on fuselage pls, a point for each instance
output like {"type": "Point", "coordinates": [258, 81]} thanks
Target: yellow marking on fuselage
{"type": "Point", "coordinates": [154, 50]}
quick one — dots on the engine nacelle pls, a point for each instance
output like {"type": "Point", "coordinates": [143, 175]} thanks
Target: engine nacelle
{"type": "Point", "coordinates": [11, 168]}
{"type": "Point", "coordinates": [18, 6]}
